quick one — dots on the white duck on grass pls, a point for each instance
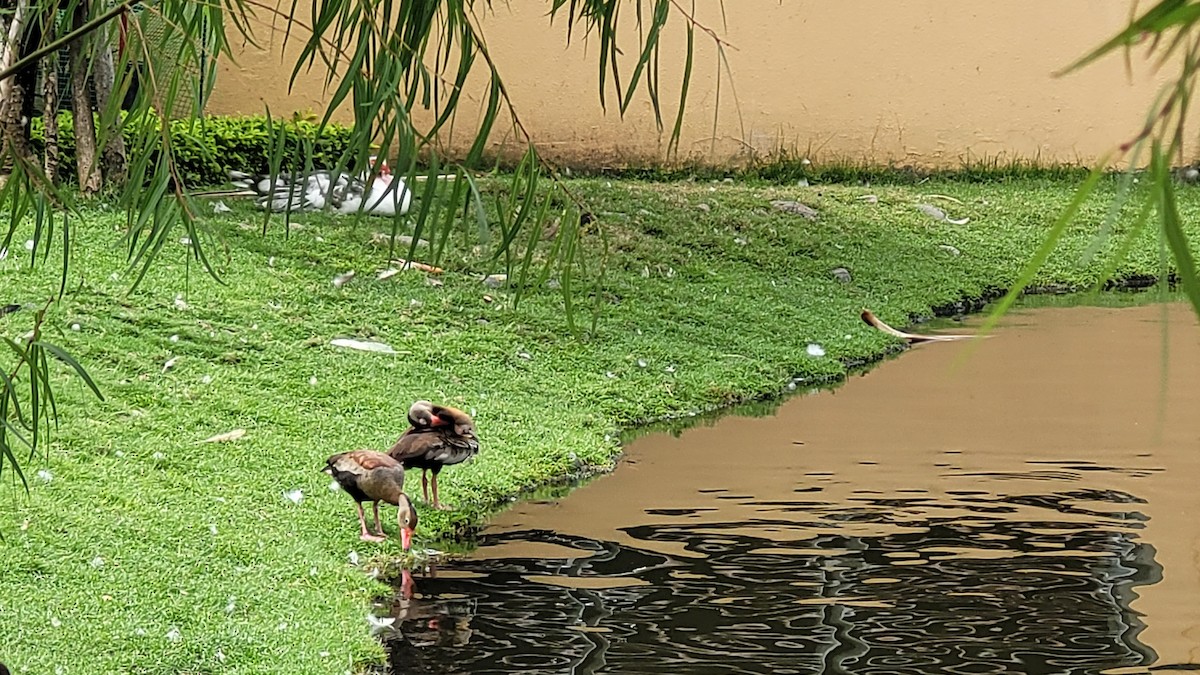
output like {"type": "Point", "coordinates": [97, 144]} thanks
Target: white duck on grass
{"type": "Point", "coordinates": [383, 195]}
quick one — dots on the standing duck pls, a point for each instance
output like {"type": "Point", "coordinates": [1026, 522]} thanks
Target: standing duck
{"type": "Point", "coordinates": [370, 476]}
{"type": "Point", "coordinates": [439, 436]}
{"type": "Point", "coordinates": [383, 195]}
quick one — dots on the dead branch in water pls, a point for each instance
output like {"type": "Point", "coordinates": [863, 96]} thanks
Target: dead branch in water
{"type": "Point", "coordinates": [869, 317]}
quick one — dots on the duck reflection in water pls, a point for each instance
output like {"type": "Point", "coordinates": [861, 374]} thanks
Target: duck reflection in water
{"type": "Point", "coordinates": [430, 622]}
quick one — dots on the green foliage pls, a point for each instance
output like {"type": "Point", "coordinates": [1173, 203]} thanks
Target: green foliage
{"type": "Point", "coordinates": [27, 405]}
{"type": "Point", "coordinates": [205, 149]}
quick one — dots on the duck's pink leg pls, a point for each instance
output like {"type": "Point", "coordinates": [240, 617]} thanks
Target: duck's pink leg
{"type": "Point", "coordinates": [362, 521]}
{"type": "Point", "coordinates": [379, 524]}
{"type": "Point", "coordinates": [436, 504]}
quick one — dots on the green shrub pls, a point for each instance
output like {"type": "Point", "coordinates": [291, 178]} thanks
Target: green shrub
{"type": "Point", "coordinates": [208, 148]}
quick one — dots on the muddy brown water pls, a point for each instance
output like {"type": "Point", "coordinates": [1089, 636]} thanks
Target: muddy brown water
{"type": "Point", "coordinates": [1032, 509]}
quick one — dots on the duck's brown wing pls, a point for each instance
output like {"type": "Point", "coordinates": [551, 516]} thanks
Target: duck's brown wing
{"type": "Point", "coordinates": [360, 462]}
{"type": "Point", "coordinates": [427, 449]}
{"type": "Point", "coordinates": [456, 448]}
{"type": "Point", "coordinates": [415, 444]}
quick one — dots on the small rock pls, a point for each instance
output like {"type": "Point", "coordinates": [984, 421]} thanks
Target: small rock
{"type": "Point", "coordinates": [495, 280]}
{"type": "Point", "coordinates": [938, 214]}
{"type": "Point", "coordinates": [797, 208]}
{"type": "Point", "coordinates": [842, 274]}
{"type": "Point", "coordinates": [932, 211]}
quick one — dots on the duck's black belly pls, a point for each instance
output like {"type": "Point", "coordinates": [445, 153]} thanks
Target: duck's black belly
{"type": "Point", "coordinates": [349, 483]}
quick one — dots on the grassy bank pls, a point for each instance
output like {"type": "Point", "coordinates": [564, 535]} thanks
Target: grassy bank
{"type": "Point", "coordinates": [147, 551]}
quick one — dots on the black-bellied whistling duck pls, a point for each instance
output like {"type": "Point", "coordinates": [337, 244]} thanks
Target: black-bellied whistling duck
{"type": "Point", "coordinates": [370, 476]}
{"type": "Point", "coordinates": [440, 436]}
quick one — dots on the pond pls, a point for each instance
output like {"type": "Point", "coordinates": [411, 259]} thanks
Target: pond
{"type": "Point", "coordinates": [1025, 507]}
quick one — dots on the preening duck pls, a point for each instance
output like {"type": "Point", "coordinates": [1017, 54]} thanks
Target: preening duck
{"type": "Point", "coordinates": [439, 436]}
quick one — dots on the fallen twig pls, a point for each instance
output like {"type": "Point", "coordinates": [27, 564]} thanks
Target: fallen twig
{"type": "Point", "coordinates": [405, 264]}
{"type": "Point", "coordinates": [872, 320]}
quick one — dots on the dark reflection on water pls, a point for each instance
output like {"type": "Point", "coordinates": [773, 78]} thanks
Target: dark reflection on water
{"type": "Point", "coordinates": [965, 584]}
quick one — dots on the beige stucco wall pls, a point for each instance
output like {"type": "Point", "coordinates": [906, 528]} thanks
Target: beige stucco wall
{"type": "Point", "coordinates": [923, 82]}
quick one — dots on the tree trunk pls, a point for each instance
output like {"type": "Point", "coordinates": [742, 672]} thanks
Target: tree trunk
{"type": "Point", "coordinates": [16, 125]}
{"type": "Point", "coordinates": [50, 114]}
{"type": "Point", "coordinates": [12, 96]}
{"type": "Point", "coordinates": [14, 30]}
{"type": "Point", "coordinates": [81, 106]}
{"type": "Point", "coordinates": [113, 160]}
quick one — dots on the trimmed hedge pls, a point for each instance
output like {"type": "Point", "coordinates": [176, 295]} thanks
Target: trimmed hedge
{"type": "Point", "coordinates": [207, 149]}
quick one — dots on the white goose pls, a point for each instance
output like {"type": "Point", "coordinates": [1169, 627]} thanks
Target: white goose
{"type": "Point", "coordinates": [385, 195]}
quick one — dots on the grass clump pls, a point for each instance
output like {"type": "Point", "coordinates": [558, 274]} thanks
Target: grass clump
{"type": "Point", "coordinates": [144, 550]}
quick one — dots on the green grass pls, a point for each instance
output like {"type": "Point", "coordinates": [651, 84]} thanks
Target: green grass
{"type": "Point", "coordinates": [144, 532]}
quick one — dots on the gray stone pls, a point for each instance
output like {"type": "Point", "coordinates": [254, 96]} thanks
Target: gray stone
{"type": "Point", "coordinates": [797, 208]}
